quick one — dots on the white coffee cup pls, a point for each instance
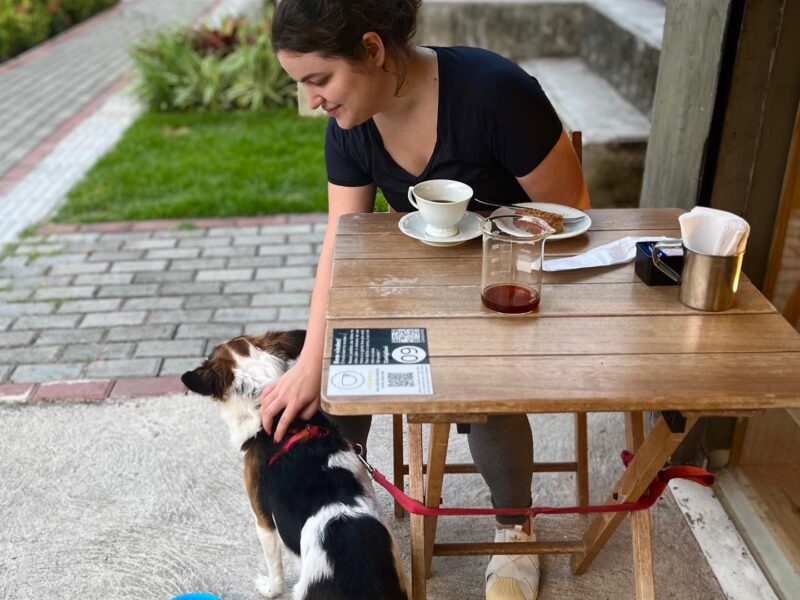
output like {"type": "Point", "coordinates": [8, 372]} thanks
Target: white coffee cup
{"type": "Point", "coordinates": [442, 203]}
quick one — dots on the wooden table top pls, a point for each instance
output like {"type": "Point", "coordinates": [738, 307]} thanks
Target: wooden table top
{"type": "Point", "coordinates": [601, 339]}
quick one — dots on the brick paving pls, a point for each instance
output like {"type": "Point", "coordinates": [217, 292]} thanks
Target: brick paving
{"type": "Point", "coordinates": [42, 90]}
{"type": "Point", "coordinates": [64, 107]}
{"type": "Point", "coordinates": [145, 300]}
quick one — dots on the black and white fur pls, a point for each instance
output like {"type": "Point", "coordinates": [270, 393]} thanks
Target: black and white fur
{"type": "Point", "coordinates": [317, 498]}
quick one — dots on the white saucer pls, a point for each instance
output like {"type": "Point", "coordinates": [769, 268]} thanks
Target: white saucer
{"type": "Point", "coordinates": [570, 229]}
{"type": "Point", "coordinates": [413, 225]}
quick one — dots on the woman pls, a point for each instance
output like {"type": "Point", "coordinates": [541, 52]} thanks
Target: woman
{"type": "Point", "coordinates": [402, 114]}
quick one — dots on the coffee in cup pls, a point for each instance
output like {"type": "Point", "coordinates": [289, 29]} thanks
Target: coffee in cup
{"type": "Point", "coordinates": [442, 203]}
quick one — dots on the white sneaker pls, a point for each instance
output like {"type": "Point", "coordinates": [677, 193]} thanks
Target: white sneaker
{"type": "Point", "coordinates": [513, 576]}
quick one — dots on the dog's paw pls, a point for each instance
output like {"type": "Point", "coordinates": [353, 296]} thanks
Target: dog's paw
{"type": "Point", "coordinates": [269, 586]}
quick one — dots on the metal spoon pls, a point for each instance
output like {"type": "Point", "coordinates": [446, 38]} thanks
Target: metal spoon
{"type": "Point", "coordinates": [567, 220]}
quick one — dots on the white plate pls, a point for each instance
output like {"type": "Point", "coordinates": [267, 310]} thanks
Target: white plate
{"type": "Point", "coordinates": [570, 229]}
{"type": "Point", "coordinates": [469, 227]}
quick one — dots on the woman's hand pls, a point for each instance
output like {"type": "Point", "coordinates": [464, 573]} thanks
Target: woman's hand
{"type": "Point", "coordinates": [296, 393]}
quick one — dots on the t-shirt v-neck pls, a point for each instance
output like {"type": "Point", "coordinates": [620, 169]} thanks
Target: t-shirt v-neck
{"type": "Point", "coordinates": [494, 124]}
{"type": "Point", "coordinates": [440, 103]}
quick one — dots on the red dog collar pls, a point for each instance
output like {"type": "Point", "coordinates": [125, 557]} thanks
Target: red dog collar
{"type": "Point", "coordinates": [309, 432]}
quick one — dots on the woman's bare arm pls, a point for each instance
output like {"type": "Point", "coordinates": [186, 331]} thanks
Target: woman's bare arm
{"type": "Point", "coordinates": [297, 391]}
{"type": "Point", "coordinates": [558, 178]}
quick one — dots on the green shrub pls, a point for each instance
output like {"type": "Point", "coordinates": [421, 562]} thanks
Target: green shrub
{"type": "Point", "coordinates": [25, 23]}
{"type": "Point", "coordinates": [67, 13]}
{"type": "Point", "coordinates": [229, 68]}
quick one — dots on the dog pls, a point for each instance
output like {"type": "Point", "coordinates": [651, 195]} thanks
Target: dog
{"type": "Point", "coordinates": [310, 491]}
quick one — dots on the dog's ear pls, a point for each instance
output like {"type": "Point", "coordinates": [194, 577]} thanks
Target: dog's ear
{"type": "Point", "coordinates": [286, 344]}
{"type": "Point", "coordinates": [205, 381]}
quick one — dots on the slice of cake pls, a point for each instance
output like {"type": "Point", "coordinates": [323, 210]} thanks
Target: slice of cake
{"type": "Point", "coordinates": [555, 220]}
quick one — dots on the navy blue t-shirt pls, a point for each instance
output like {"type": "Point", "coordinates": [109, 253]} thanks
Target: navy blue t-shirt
{"type": "Point", "coordinates": [494, 124]}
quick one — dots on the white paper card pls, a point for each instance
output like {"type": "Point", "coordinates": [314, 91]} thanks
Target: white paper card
{"type": "Point", "coordinates": [380, 362]}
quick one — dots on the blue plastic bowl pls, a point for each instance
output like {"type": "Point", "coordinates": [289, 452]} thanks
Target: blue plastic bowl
{"type": "Point", "coordinates": [196, 596]}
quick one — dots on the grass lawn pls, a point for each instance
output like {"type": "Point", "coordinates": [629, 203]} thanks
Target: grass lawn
{"type": "Point", "coordinates": [194, 165]}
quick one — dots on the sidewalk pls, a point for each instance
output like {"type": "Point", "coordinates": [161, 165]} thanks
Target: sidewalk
{"type": "Point", "coordinates": [143, 499]}
{"type": "Point", "coordinates": [120, 300]}
{"type": "Point", "coordinates": [45, 87]}
{"type": "Point", "coordinates": [64, 103]}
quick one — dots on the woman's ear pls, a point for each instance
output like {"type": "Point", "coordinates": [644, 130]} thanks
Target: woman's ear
{"type": "Point", "coordinates": [376, 51]}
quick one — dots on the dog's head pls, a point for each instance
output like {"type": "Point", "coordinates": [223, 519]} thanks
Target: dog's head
{"type": "Point", "coordinates": [244, 365]}
{"type": "Point", "coordinates": [238, 370]}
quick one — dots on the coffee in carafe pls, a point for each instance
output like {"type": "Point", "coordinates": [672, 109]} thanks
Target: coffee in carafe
{"type": "Point", "coordinates": [511, 275]}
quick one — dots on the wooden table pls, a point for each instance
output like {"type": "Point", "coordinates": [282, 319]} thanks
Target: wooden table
{"type": "Point", "coordinates": [600, 341]}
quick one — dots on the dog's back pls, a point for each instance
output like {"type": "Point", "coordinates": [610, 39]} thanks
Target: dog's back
{"type": "Point", "coordinates": [325, 510]}
{"type": "Point", "coordinates": [363, 563]}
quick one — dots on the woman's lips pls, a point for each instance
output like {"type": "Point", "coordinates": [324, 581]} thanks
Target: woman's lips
{"type": "Point", "coordinates": [332, 111]}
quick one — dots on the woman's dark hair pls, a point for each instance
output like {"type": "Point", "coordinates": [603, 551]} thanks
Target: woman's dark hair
{"type": "Point", "coordinates": [333, 28]}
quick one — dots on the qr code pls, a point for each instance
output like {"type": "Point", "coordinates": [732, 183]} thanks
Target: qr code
{"type": "Point", "coordinates": [406, 336]}
{"type": "Point", "coordinates": [400, 379]}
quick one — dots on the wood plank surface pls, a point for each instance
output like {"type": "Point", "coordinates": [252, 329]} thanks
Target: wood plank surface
{"type": "Point", "coordinates": [529, 384]}
{"type": "Point", "coordinates": [602, 219]}
{"type": "Point", "coordinates": [399, 246]}
{"type": "Point", "coordinates": [774, 491]}
{"type": "Point", "coordinates": [771, 439]}
{"type": "Point", "coordinates": [467, 271]}
{"type": "Point", "coordinates": [598, 335]}
{"type": "Point", "coordinates": [390, 302]}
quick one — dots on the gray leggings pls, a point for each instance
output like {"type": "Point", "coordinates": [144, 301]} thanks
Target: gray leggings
{"type": "Point", "coordinates": [502, 450]}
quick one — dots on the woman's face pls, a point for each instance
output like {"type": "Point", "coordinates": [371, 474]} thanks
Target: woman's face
{"type": "Point", "coordinates": [349, 94]}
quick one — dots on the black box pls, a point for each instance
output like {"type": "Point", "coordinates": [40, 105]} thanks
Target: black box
{"type": "Point", "coordinates": [648, 272]}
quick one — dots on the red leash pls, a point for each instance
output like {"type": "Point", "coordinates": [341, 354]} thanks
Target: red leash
{"type": "Point", "coordinates": [654, 490]}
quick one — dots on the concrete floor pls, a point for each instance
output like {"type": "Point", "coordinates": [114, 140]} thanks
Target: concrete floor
{"type": "Point", "coordinates": [143, 499]}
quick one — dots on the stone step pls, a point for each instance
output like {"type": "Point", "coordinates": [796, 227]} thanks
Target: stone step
{"type": "Point", "coordinates": [618, 39]}
{"type": "Point", "coordinates": [614, 131]}
{"type": "Point", "coordinates": [586, 101]}
{"type": "Point", "coordinates": [622, 42]}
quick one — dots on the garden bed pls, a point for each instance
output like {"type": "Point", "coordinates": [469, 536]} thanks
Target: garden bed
{"type": "Point", "coordinates": [26, 23]}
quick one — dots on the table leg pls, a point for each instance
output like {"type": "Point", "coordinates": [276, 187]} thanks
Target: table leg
{"type": "Point", "coordinates": [397, 460]}
{"type": "Point", "coordinates": [581, 459]}
{"type": "Point", "coordinates": [416, 489]}
{"type": "Point", "coordinates": [437, 455]}
{"type": "Point", "coordinates": [640, 520]}
{"type": "Point", "coordinates": [652, 455]}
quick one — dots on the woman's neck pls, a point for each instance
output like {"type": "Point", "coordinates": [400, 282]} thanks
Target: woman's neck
{"type": "Point", "coordinates": [421, 83]}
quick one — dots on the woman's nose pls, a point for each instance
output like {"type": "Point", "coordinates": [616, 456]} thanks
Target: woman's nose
{"type": "Point", "coordinates": [314, 100]}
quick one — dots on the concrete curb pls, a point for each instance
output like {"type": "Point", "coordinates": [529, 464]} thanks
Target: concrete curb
{"type": "Point", "coordinates": [90, 390]}
{"type": "Point", "coordinates": [170, 224]}
{"type": "Point", "coordinates": [20, 170]}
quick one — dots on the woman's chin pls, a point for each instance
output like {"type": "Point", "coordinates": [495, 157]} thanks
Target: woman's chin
{"type": "Point", "coordinates": [347, 122]}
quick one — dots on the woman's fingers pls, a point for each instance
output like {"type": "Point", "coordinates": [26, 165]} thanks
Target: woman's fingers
{"type": "Point", "coordinates": [309, 410]}
{"type": "Point", "coordinates": [266, 392]}
{"type": "Point", "coordinates": [268, 413]}
{"type": "Point", "coordinates": [286, 419]}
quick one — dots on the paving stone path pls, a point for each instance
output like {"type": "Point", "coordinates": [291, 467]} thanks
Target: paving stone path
{"type": "Point", "coordinates": [45, 87]}
{"type": "Point", "coordinates": [152, 299]}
